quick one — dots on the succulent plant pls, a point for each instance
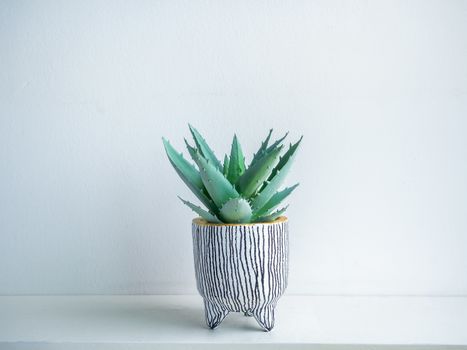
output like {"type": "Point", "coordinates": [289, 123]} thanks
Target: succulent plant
{"type": "Point", "coordinates": [231, 191]}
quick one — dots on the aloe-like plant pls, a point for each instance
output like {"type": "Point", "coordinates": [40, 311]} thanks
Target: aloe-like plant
{"type": "Point", "coordinates": [231, 191]}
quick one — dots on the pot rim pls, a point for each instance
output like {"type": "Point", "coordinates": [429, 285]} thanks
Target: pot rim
{"type": "Point", "coordinates": [202, 222]}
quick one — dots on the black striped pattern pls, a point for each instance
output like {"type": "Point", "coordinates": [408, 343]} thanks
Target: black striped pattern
{"type": "Point", "coordinates": [241, 268]}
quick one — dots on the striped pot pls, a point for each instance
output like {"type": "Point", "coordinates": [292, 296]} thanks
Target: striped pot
{"type": "Point", "coordinates": [241, 268]}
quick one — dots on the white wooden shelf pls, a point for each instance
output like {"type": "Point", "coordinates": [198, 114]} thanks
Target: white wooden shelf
{"type": "Point", "coordinates": [177, 322]}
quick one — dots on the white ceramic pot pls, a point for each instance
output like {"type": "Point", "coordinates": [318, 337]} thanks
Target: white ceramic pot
{"type": "Point", "coordinates": [241, 268]}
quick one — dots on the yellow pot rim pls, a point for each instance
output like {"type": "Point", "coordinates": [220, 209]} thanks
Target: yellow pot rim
{"type": "Point", "coordinates": [203, 222]}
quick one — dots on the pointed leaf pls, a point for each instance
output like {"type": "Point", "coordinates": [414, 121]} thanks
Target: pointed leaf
{"type": "Point", "coordinates": [237, 161]}
{"type": "Point", "coordinates": [191, 150]}
{"type": "Point", "coordinates": [274, 182]}
{"type": "Point", "coordinates": [256, 174]}
{"type": "Point", "coordinates": [218, 187]}
{"type": "Point", "coordinates": [189, 174]}
{"type": "Point", "coordinates": [182, 165]}
{"type": "Point", "coordinates": [262, 148]}
{"type": "Point", "coordinates": [277, 142]}
{"type": "Point", "coordinates": [201, 212]}
{"type": "Point", "coordinates": [277, 176]}
{"type": "Point", "coordinates": [268, 149]}
{"type": "Point", "coordinates": [285, 158]}
{"type": "Point", "coordinates": [275, 200]}
{"type": "Point", "coordinates": [204, 149]}
{"type": "Point", "coordinates": [273, 216]}
{"type": "Point", "coordinates": [225, 168]}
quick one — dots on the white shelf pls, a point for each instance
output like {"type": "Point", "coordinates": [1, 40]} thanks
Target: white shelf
{"type": "Point", "coordinates": [177, 322]}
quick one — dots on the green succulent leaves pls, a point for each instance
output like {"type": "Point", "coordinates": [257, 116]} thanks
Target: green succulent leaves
{"type": "Point", "coordinates": [236, 162]}
{"type": "Point", "coordinates": [232, 192]}
{"type": "Point", "coordinates": [190, 175]}
{"type": "Point", "coordinates": [203, 148]}
{"type": "Point", "coordinates": [253, 178]}
{"type": "Point", "coordinates": [217, 185]}
{"type": "Point", "coordinates": [276, 178]}
{"type": "Point", "coordinates": [236, 210]}
{"type": "Point", "coordinates": [201, 212]}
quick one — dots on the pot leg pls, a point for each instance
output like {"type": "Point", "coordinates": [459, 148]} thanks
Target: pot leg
{"type": "Point", "coordinates": [265, 316]}
{"type": "Point", "coordinates": [214, 314]}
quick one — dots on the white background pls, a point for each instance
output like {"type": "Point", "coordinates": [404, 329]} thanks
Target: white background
{"type": "Point", "coordinates": [378, 89]}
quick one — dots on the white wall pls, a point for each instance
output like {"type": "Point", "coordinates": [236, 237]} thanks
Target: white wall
{"type": "Point", "coordinates": [379, 89]}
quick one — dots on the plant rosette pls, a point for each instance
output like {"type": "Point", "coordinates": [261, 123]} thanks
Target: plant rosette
{"type": "Point", "coordinates": [240, 241]}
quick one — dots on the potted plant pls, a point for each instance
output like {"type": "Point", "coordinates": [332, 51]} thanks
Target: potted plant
{"type": "Point", "coordinates": [240, 241]}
